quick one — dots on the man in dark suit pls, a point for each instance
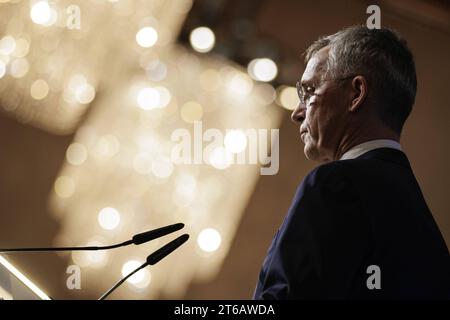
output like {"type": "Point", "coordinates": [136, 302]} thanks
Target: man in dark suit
{"type": "Point", "coordinates": [358, 226]}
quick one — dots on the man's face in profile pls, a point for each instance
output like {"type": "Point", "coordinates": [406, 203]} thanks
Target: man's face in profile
{"type": "Point", "coordinates": [323, 117]}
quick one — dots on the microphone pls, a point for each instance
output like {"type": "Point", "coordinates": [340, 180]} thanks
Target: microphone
{"type": "Point", "coordinates": [152, 259]}
{"type": "Point", "coordinates": [137, 239]}
{"type": "Point", "coordinates": [163, 252]}
{"type": "Point", "coordinates": [157, 233]}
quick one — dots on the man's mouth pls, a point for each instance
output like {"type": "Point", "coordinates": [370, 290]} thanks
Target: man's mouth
{"type": "Point", "coordinates": [303, 136]}
{"type": "Point", "coordinates": [303, 132]}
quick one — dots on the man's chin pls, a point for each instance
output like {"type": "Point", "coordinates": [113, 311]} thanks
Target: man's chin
{"type": "Point", "coordinates": [307, 152]}
{"type": "Point", "coordinates": [310, 152]}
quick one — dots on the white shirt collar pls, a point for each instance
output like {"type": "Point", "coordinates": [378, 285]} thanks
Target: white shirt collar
{"type": "Point", "coordinates": [364, 147]}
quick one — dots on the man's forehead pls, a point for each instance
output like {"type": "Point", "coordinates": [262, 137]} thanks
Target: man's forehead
{"type": "Point", "coordinates": [316, 64]}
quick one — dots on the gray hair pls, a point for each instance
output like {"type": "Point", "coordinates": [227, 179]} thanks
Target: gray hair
{"type": "Point", "coordinates": [383, 58]}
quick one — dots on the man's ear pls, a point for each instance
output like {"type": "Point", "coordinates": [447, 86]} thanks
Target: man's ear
{"type": "Point", "coordinates": [359, 91]}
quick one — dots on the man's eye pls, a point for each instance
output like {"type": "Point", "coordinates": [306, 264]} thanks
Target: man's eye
{"type": "Point", "coordinates": [310, 89]}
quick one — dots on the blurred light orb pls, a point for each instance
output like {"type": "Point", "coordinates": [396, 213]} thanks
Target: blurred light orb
{"type": "Point", "coordinates": [185, 190]}
{"type": "Point", "coordinates": [148, 98]}
{"type": "Point", "coordinates": [5, 59]}
{"type": "Point", "coordinates": [145, 281]}
{"type": "Point", "coordinates": [95, 259]}
{"type": "Point", "coordinates": [7, 45]}
{"type": "Point", "coordinates": [156, 70]}
{"type": "Point", "coordinates": [64, 187]}
{"type": "Point", "coordinates": [129, 267]}
{"type": "Point", "coordinates": [19, 67]}
{"type": "Point", "coordinates": [235, 141]}
{"type": "Point", "coordinates": [107, 146]}
{"type": "Point", "coordinates": [191, 111]}
{"type": "Point", "coordinates": [76, 154]}
{"type": "Point", "coordinates": [39, 89]}
{"type": "Point", "coordinates": [146, 37]}
{"type": "Point", "coordinates": [142, 163]}
{"type": "Point", "coordinates": [109, 218]}
{"type": "Point", "coordinates": [147, 140]}
{"type": "Point", "coordinates": [209, 240]}
{"type": "Point", "coordinates": [241, 84]}
{"type": "Point", "coordinates": [40, 12]}
{"type": "Point", "coordinates": [76, 81]}
{"type": "Point", "coordinates": [2, 69]}
{"type": "Point", "coordinates": [262, 69]}
{"type": "Point", "coordinates": [52, 19]}
{"type": "Point", "coordinates": [22, 48]}
{"type": "Point", "coordinates": [288, 97]}
{"type": "Point", "coordinates": [202, 39]}
{"type": "Point", "coordinates": [85, 93]}
{"type": "Point", "coordinates": [162, 167]}
{"type": "Point", "coordinates": [164, 96]}
{"type": "Point", "coordinates": [220, 158]}
{"type": "Point", "coordinates": [265, 93]}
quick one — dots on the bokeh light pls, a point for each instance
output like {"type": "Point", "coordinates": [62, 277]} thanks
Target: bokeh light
{"type": "Point", "coordinates": [287, 97]}
{"type": "Point", "coordinates": [220, 158]}
{"type": "Point", "coordinates": [162, 167]}
{"type": "Point", "coordinates": [147, 37]}
{"type": "Point", "coordinates": [156, 70]}
{"type": "Point", "coordinates": [52, 19]}
{"type": "Point", "coordinates": [39, 89]}
{"type": "Point", "coordinates": [109, 218]}
{"type": "Point", "coordinates": [19, 67]}
{"type": "Point", "coordinates": [76, 154]}
{"type": "Point", "coordinates": [241, 84]}
{"type": "Point", "coordinates": [191, 111]}
{"type": "Point", "coordinates": [202, 39]}
{"type": "Point", "coordinates": [148, 98]}
{"type": "Point", "coordinates": [93, 259]}
{"type": "Point", "coordinates": [106, 147]}
{"type": "Point", "coordinates": [40, 12]}
{"type": "Point", "coordinates": [262, 69]}
{"type": "Point", "coordinates": [129, 267]}
{"type": "Point", "coordinates": [142, 163]}
{"type": "Point", "coordinates": [2, 69]}
{"type": "Point", "coordinates": [22, 48]}
{"type": "Point", "coordinates": [209, 240]}
{"type": "Point", "coordinates": [85, 93]}
{"type": "Point", "coordinates": [185, 190]}
{"type": "Point", "coordinates": [7, 45]}
{"type": "Point", "coordinates": [164, 96]}
{"type": "Point", "coordinates": [64, 186]}
{"type": "Point", "coordinates": [235, 141]}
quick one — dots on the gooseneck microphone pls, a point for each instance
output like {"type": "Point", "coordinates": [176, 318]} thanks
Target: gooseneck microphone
{"type": "Point", "coordinates": [163, 252]}
{"type": "Point", "coordinates": [137, 239]}
{"type": "Point", "coordinates": [152, 259]}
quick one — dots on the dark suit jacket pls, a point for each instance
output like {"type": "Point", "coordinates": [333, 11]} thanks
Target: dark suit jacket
{"type": "Point", "coordinates": [348, 215]}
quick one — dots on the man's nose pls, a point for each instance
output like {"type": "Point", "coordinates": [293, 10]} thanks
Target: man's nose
{"type": "Point", "coordinates": [299, 113]}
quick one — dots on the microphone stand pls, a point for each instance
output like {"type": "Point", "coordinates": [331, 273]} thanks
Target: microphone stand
{"type": "Point", "coordinates": [152, 259]}
{"type": "Point", "coordinates": [87, 248]}
{"type": "Point", "coordinates": [118, 283]}
{"type": "Point", "coordinates": [137, 239]}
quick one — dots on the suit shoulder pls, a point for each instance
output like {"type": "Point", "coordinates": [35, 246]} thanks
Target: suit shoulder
{"type": "Point", "coordinates": [330, 172]}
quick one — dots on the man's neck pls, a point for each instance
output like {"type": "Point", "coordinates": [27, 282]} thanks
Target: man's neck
{"type": "Point", "coordinates": [352, 140]}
